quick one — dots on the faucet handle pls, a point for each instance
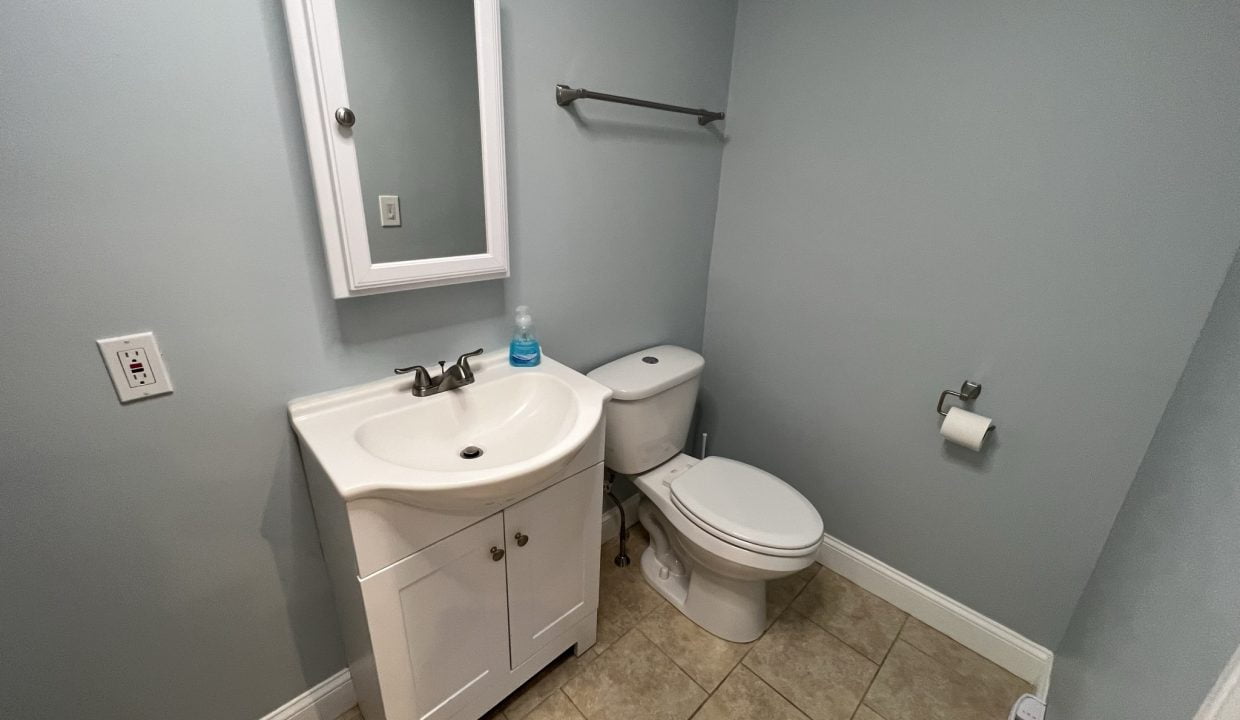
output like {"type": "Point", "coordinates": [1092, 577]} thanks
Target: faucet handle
{"type": "Point", "coordinates": [421, 378]}
{"type": "Point", "coordinates": [462, 362]}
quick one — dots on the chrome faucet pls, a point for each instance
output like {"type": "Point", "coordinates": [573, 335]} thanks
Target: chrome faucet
{"type": "Point", "coordinates": [451, 378]}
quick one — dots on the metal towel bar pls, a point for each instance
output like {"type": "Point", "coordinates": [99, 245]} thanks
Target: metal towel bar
{"type": "Point", "coordinates": [565, 95]}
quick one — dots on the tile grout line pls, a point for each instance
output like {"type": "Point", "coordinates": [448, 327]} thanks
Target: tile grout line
{"type": "Point", "coordinates": [880, 666]}
{"type": "Point", "coordinates": [786, 610]}
{"type": "Point", "coordinates": [580, 670]}
{"type": "Point", "coordinates": [710, 693]}
{"type": "Point", "coordinates": [780, 614]}
{"type": "Point", "coordinates": [849, 645]}
{"type": "Point", "coordinates": [970, 679]}
{"type": "Point", "coordinates": [707, 693]}
{"type": "Point", "coordinates": [867, 707]}
{"type": "Point", "coordinates": [598, 654]}
{"type": "Point", "coordinates": [776, 691]}
{"type": "Point", "coordinates": [899, 638]}
{"type": "Point", "coordinates": [705, 700]}
{"type": "Point", "coordinates": [698, 685]}
{"type": "Point", "coordinates": [573, 703]}
{"type": "Point", "coordinates": [830, 632]}
{"type": "Point", "coordinates": [672, 660]}
{"type": "Point", "coordinates": [582, 665]}
{"type": "Point", "coordinates": [648, 613]}
{"type": "Point", "coordinates": [740, 660]}
{"type": "Point", "coordinates": [926, 652]}
{"type": "Point", "coordinates": [685, 670]}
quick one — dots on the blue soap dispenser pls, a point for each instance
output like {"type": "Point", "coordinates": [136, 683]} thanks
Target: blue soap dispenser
{"type": "Point", "coordinates": [524, 350]}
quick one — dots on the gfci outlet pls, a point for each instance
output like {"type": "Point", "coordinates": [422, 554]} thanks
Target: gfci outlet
{"type": "Point", "coordinates": [135, 365]}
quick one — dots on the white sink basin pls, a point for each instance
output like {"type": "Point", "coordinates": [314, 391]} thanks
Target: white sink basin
{"type": "Point", "coordinates": [509, 420]}
{"type": "Point", "coordinates": [378, 440]}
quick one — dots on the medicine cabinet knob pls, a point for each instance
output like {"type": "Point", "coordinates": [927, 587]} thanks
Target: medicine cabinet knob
{"type": "Point", "coordinates": [497, 553]}
{"type": "Point", "coordinates": [345, 117]}
{"type": "Point", "coordinates": [521, 539]}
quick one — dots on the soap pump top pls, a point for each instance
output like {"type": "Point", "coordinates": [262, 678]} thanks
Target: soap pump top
{"type": "Point", "coordinates": [524, 350]}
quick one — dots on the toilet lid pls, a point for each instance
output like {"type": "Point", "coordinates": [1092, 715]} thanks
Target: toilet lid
{"type": "Point", "coordinates": [747, 504]}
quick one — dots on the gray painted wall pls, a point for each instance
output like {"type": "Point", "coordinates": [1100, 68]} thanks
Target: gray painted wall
{"type": "Point", "coordinates": [412, 72]}
{"type": "Point", "coordinates": [1161, 614]}
{"type": "Point", "coordinates": [160, 559]}
{"type": "Point", "coordinates": [1038, 197]}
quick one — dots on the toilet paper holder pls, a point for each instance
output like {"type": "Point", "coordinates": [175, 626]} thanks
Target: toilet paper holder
{"type": "Point", "coordinates": [969, 391]}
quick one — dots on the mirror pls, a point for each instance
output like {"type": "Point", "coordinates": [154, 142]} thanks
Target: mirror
{"type": "Point", "coordinates": [413, 72]}
{"type": "Point", "coordinates": [402, 105]}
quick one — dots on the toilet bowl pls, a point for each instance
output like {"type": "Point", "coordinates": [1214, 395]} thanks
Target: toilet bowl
{"type": "Point", "coordinates": [714, 567]}
{"type": "Point", "coordinates": [719, 529]}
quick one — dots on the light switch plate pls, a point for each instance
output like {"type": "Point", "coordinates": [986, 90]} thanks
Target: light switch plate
{"type": "Point", "coordinates": [389, 211]}
{"type": "Point", "coordinates": [135, 366]}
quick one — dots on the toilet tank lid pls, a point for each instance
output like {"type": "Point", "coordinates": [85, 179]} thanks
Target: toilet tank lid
{"type": "Point", "coordinates": [646, 372]}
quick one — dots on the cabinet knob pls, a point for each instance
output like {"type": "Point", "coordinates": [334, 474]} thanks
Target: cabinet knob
{"type": "Point", "coordinates": [497, 553]}
{"type": "Point", "coordinates": [521, 539]}
{"type": "Point", "coordinates": [345, 117]}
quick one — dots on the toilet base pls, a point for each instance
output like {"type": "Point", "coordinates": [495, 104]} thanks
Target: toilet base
{"type": "Point", "coordinates": [673, 588]}
{"type": "Point", "coordinates": [734, 610]}
{"type": "Point", "coordinates": [719, 586]}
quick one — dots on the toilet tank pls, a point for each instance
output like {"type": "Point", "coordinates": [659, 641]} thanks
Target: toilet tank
{"type": "Point", "coordinates": [653, 394]}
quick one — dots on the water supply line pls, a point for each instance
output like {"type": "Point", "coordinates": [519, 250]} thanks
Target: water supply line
{"type": "Point", "coordinates": [622, 558]}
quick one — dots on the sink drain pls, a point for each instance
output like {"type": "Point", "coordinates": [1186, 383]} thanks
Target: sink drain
{"type": "Point", "coordinates": [470, 452]}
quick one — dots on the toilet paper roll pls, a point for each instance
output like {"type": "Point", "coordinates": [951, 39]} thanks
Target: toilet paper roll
{"type": "Point", "coordinates": [965, 428]}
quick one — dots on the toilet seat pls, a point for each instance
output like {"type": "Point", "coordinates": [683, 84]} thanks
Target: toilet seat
{"type": "Point", "coordinates": [747, 507]}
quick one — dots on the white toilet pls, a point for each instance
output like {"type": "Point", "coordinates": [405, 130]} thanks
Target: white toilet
{"type": "Point", "coordinates": [719, 529]}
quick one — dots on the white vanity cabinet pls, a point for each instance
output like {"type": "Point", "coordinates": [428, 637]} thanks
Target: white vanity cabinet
{"type": "Point", "coordinates": [450, 623]}
{"type": "Point", "coordinates": [446, 628]}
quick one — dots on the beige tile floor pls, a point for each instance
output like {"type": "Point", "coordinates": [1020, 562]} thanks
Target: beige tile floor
{"type": "Point", "coordinates": [832, 651]}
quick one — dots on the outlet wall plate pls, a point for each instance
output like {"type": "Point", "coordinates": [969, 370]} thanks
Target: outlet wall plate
{"type": "Point", "coordinates": [135, 365]}
{"type": "Point", "coordinates": [1028, 707]}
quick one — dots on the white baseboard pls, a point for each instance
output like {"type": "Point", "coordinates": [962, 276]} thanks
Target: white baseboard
{"type": "Point", "coordinates": [326, 701]}
{"type": "Point", "coordinates": [611, 517]}
{"type": "Point", "coordinates": [1223, 702]}
{"type": "Point", "coordinates": [1004, 647]}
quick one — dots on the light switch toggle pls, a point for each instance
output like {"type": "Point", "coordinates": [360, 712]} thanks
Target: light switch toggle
{"type": "Point", "coordinates": [389, 210]}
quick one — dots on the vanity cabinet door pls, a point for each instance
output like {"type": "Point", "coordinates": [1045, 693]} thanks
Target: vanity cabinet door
{"type": "Point", "coordinates": [439, 626]}
{"type": "Point", "coordinates": [552, 539]}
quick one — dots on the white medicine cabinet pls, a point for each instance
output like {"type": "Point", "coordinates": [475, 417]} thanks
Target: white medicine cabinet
{"type": "Point", "coordinates": [402, 103]}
